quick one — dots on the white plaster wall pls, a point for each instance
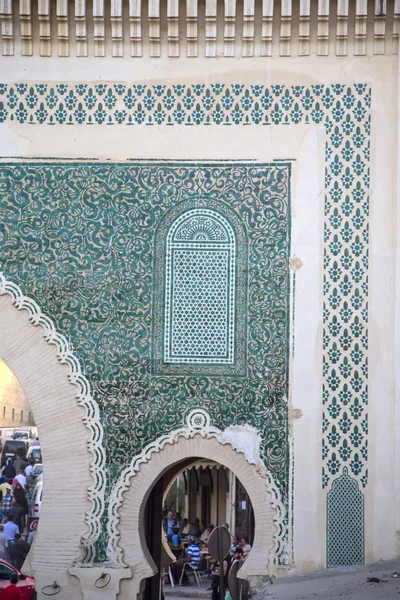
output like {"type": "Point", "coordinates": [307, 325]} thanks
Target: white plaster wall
{"type": "Point", "coordinates": [397, 327]}
{"type": "Point", "coordinates": [380, 513]}
{"type": "Point", "coordinates": [305, 145]}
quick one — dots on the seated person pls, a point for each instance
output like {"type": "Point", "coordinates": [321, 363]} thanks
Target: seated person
{"type": "Point", "coordinates": [192, 557]}
{"type": "Point", "coordinates": [195, 528]}
{"type": "Point", "coordinates": [244, 542]}
{"type": "Point", "coordinates": [206, 533]}
{"type": "Point", "coordinates": [185, 528]}
{"type": "Point", "coordinates": [235, 543]}
{"type": "Point", "coordinates": [175, 542]}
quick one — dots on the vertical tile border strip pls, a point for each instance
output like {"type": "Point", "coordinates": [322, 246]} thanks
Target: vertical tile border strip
{"type": "Point", "coordinates": [345, 112]}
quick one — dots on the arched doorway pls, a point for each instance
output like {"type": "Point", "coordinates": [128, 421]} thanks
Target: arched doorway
{"type": "Point", "coordinates": [59, 397]}
{"type": "Point", "coordinates": [150, 478]}
{"type": "Point", "coordinates": [19, 445]}
{"type": "Point", "coordinates": [193, 487]}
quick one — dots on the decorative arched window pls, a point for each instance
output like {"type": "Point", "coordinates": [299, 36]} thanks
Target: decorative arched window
{"type": "Point", "coordinates": [200, 281]}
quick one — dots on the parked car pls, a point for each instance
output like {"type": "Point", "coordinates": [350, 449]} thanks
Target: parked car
{"type": "Point", "coordinates": [37, 497]}
{"type": "Point", "coordinates": [6, 434]}
{"type": "Point", "coordinates": [34, 452]}
{"type": "Point", "coordinates": [37, 469]}
{"type": "Point", "coordinates": [11, 448]}
{"type": "Point", "coordinates": [25, 584]}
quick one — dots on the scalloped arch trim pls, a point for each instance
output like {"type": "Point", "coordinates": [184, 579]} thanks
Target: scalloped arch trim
{"type": "Point", "coordinates": [198, 423]}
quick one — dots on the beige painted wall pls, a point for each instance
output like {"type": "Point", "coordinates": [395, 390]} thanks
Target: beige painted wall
{"type": "Point", "coordinates": [14, 407]}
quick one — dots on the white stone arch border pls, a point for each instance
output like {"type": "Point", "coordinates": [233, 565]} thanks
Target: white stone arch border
{"type": "Point", "coordinates": [19, 340]}
{"type": "Point", "coordinates": [238, 449]}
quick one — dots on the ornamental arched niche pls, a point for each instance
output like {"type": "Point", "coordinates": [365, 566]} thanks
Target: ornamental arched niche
{"type": "Point", "coordinates": [200, 291]}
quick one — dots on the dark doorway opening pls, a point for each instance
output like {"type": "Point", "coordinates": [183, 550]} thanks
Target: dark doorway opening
{"type": "Point", "coordinates": [207, 491]}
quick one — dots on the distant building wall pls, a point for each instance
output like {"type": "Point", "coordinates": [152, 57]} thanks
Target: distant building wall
{"type": "Point", "coordinates": [14, 406]}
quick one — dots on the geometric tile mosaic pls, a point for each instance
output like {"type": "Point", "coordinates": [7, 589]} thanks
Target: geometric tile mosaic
{"type": "Point", "coordinates": [200, 296]}
{"type": "Point", "coordinates": [345, 522]}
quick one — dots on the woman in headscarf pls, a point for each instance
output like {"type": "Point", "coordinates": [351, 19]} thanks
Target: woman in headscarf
{"type": "Point", "coordinates": [9, 471]}
{"type": "Point", "coordinates": [19, 495]}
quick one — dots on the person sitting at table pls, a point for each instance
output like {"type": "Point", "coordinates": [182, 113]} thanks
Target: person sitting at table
{"type": "Point", "coordinates": [175, 542]}
{"type": "Point", "coordinates": [235, 543]}
{"type": "Point", "coordinates": [244, 542]}
{"type": "Point", "coordinates": [206, 533]}
{"type": "Point", "coordinates": [185, 528]}
{"type": "Point", "coordinates": [192, 557]}
{"type": "Point", "coordinates": [195, 528]}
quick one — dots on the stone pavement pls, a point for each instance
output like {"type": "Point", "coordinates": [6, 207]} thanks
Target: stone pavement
{"type": "Point", "coordinates": [335, 584]}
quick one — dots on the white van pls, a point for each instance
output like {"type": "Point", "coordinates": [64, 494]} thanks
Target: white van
{"type": "Point", "coordinates": [37, 497]}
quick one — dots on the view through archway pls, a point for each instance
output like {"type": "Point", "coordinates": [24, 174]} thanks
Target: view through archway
{"type": "Point", "coordinates": [21, 481]}
{"type": "Point", "coordinates": [184, 507]}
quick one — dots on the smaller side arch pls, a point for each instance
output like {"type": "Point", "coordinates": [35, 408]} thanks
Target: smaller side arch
{"type": "Point", "coordinates": [136, 554]}
{"type": "Point", "coordinates": [127, 545]}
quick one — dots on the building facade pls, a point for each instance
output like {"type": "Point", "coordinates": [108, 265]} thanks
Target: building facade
{"type": "Point", "coordinates": [14, 407]}
{"type": "Point", "coordinates": [199, 261]}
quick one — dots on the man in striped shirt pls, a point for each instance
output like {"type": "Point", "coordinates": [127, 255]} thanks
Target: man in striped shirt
{"type": "Point", "coordinates": [193, 552]}
{"type": "Point", "coordinates": [192, 557]}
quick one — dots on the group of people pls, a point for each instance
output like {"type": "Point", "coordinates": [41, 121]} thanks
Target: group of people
{"type": "Point", "coordinates": [17, 483]}
{"type": "Point", "coordinates": [189, 543]}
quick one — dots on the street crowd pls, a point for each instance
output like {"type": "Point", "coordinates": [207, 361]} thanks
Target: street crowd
{"type": "Point", "coordinates": [188, 542]}
{"type": "Point", "coordinates": [17, 484]}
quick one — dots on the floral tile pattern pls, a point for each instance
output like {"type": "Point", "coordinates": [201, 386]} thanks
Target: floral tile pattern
{"type": "Point", "coordinates": [82, 239]}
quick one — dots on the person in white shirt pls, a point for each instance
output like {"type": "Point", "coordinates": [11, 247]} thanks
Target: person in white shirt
{"type": "Point", "coordinates": [206, 533]}
{"type": "Point", "coordinates": [4, 553]}
{"type": "Point", "coordinates": [21, 479]}
{"type": "Point", "coordinates": [10, 528]}
{"type": "Point", "coordinates": [29, 469]}
{"type": "Point", "coordinates": [244, 542]}
{"type": "Point", "coordinates": [31, 537]}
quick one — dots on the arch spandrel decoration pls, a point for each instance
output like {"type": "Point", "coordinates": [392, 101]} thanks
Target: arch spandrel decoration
{"type": "Point", "coordinates": [200, 285]}
{"type": "Point", "coordinates": [200, 281]}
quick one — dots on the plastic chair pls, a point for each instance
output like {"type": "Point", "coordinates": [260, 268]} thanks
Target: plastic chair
{"type": "Point", "coordinates": [194, 571]}
{"type": "Point", "coordinates": [171, 577]}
